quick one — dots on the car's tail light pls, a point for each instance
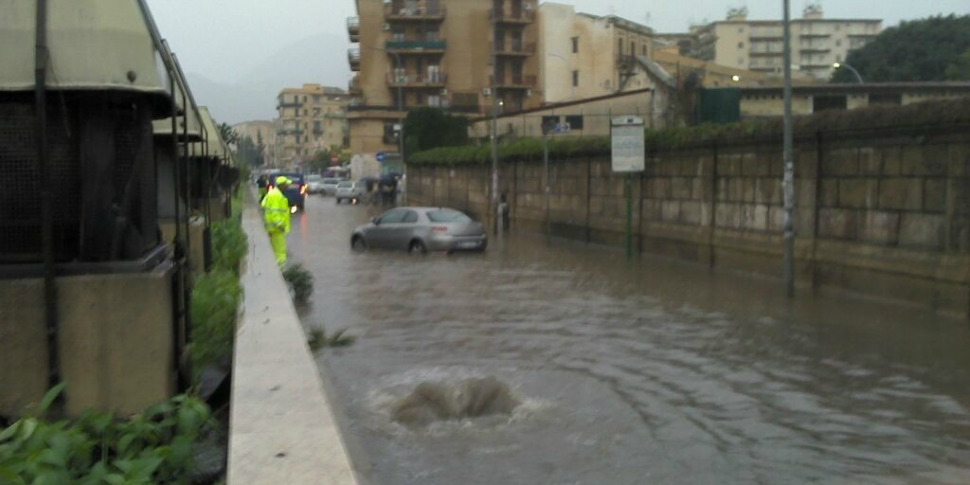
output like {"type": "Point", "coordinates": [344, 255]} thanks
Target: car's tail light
{"type": "Point", "coordinates": [439, 229]}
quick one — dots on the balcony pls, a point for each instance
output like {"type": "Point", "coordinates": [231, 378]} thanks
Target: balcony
{"type": "Point", "coordinates": [515, 49]}
{"type": "Point", "coordinates": [766, 36]}
{"type": "Point", "coordinates": [814, 50]}
{"type": "Point", "coordinates": [521, 17]}
{"type": "Point", "coordinates": [437, 80]}
{"type": "Point", "coordinates": [415, 46]}
{"type": "Point", "coordinates": [816, 35]}
{"type": "Point", "coordinates": [515, 82]}
{"type": "Point", "coordinates": [353, 55]}
{"type": "Point", "coordinates": [289, 105]}
{"type": "Point", "coordinates": [765, 53]}
{"type": "Point", "coordinates": [289, 132]}
{"type": "Point", "coordinates": [353, 28]}
{"type": "Point", "coordinates": [413, 14]}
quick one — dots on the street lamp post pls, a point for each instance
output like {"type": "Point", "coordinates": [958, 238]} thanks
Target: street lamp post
{"type": "Point", "coordinates": [858, 76]}
{"type": "Point", "coordinates": [495, 125]}
{"type": "Point", "coordinates": [788, 183]}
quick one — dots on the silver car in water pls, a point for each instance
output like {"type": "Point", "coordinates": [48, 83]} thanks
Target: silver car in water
{"type": "Point", "coordinates": [419, 230]}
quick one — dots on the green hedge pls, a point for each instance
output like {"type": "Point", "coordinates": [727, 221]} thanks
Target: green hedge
{"type": "Point", "coordinates": [939, 113]}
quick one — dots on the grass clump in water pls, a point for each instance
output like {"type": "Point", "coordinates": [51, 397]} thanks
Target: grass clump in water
{"type": "Point", "coordinates": [317, 338]}
{"type": "Point", "coordinates": [300, 281]}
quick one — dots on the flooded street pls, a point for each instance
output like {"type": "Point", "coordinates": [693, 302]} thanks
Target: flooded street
{"type": "Point", "coordinates": [651, 372]}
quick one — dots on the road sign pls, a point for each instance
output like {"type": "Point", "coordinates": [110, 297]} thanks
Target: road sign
{"type": "Point", "coordinates": [628, 147]}
{"type": "Point", "coordinates": [379, 156]}
{"type": "Point", "coordinates": [561, 128]}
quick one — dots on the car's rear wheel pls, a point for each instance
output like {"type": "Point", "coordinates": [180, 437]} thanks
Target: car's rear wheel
{"type": "Point", "coordinates": [358, 244]}
{"type": "Point", "coordinates": [417, 247]}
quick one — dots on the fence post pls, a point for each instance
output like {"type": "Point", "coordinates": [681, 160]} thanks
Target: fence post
{"type": "Point", "coordinates": [816, 210]}
{"type": "Point", "coordinates": [589, 193]}
{"type": "Point", "coordinates": [712, 219]}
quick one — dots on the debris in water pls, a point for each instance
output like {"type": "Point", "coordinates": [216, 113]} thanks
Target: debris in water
{"type": "Point", "coordinates": [470, 398]}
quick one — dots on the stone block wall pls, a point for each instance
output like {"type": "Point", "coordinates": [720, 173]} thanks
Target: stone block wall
{"type": "Point", "coordinates": [881, 213]}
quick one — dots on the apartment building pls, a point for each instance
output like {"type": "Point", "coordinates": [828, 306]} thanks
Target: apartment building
{"type": "Point", "coordinates": [817, 43]}
{"type": "Point", "coordinates": [310, 119]}
{"type": "Point", "coordinates": [586, 56]}
{"type": "Point", "coordinates": [436, 53]}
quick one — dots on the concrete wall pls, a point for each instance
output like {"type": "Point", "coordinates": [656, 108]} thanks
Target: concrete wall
{"type": "Point", "coordinates": [877, 214]}
{"type": "Point", "coordinates": [115, 339]}
{"type": "Point", "coordinates": [283, 427]}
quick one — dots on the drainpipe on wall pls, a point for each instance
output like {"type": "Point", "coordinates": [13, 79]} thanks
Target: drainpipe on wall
{"type": "Point", "coordinates": [46, 210]}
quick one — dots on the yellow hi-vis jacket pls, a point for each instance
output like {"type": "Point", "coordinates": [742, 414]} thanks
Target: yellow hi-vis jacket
{"type": "Point", "coordinates": [276, 211]}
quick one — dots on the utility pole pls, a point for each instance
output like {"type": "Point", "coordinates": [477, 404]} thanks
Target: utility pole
{"type": "Point", "coordinates": [495, 15]}
{"type": "Point", "coordinates": [788, 271]}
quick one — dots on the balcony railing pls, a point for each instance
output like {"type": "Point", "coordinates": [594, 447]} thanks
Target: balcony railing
{"type": "Point", "coordinates": [523, 16]}
{"type": "Point", "coordinates": [289, 105]}
{"type": "Point", "coordinates": [417, 80]}
{"type": "Point", "coordinates": [515, 49]}
{"type": "Point", "coordinates": [353, 55]}
{"type": "Point", "coordinates": [353, 28]}
{"type": "Point", "coordinates": [421, 12]}
{"type": "Point", "coordinates": [415, 46]}
{"type": "Point", "coordinates": [515, 82]}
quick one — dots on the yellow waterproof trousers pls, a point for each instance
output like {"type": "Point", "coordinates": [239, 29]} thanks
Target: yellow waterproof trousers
{"type": "Point", "coordinates": [278, 241]}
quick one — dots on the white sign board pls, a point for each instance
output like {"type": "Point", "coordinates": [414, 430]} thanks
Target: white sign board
{"type": "Point", "coordinates": [628, 147]}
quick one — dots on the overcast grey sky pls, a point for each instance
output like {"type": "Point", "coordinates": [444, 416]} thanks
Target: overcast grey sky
{"type": "Point", "coordinates": [224, 40]}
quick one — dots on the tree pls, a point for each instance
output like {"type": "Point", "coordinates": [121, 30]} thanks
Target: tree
{"type": "Point", "coordinates": [959, 70]}
{"type": "Point", "coordinates": [228, 134]}
{"type": "Point", "coordinates": [249, 153]}
{"type": "Point", "coordinates": [427, 128]}
{"type": "Point", "coordinates": [918, 50]}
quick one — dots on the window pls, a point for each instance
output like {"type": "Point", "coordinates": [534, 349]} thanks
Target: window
{"type": "Point", "coordinates": [619, 46]}
{"type": "Point", "coordinates": [447, 215]}
{"type": "Point", "coordinates": [644, 50]}
{"type": "Point", "coordinates": [575, 78]}
{"type": "Point", "coordinates": [633, 48]}
{"type": "Point", "coordinates": [740, 45]}
{"type": "Point", "coordinates": [575, 45]}
{"type": "Point", "coordinates": [575, 122]}
{"type": "Point", "coordinates": [838, 43]}
{"type": "Point", "coordinates": [410, 217]}
{"type": "Point", "coordinates": [394, 216]}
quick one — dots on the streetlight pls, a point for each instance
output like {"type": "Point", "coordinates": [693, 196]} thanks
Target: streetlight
{"type": "Point", "coordinates": [857, 75]}
{"type": "Point", "coordinates": [736, 78]}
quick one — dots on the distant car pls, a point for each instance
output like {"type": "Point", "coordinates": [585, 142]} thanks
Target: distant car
{"type": "Point", "coordinates": [419, 230]}
{"type": "Point", "coordinates": [330, 186]}
{"type": "Point", "coordinates": [347, 190]}
{"type": "Point", "coordinates": [314, 184]}
{"type": "Point", "coordinates": [296, 193]}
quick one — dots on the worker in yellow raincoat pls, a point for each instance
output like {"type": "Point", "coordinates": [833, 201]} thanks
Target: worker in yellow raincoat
{"type": "Point", "coordinates": [276, 214]}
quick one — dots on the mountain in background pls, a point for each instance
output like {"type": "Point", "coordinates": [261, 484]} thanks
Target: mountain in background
{"type": "Point", "coordinates": [319, 59]}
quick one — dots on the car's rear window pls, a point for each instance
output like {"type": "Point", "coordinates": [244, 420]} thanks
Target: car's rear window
{"type": "Point", "coordinates": [314, 178]}
{"type": "Point", "coordinates": [447, 216]}
{"type": "Point", "coordinates": [345, 185]}
{"type": "Point", "coordinates": [331, 181]}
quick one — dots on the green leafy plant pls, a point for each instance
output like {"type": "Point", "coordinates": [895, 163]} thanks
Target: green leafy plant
{"type": "Point", "coordinates": [229, 245]}
{"type": "Point", "coordinates": [215, 302]}
{"type": "Point", "coordinates": [154, 447]}
{"type": "Point", "coordinates": [300, 281]}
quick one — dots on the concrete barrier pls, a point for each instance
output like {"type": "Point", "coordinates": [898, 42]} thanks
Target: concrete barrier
{"type": "Point", "coordinates": [283, 428]}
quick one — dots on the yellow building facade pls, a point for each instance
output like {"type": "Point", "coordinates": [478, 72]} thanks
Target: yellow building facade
{"type": "Point", "coordinates": [310, 119]}
{"type": "Point", "coordinates": [436, 53]}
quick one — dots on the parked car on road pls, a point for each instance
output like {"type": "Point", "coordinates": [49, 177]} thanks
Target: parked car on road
{"type": "Point", "coordinates": [296, 193]}
{"type": "Point", "coordinates": [347, 190]}
{"type": "Point", "coordinates": [419, 230]}
{"type": "Point", "coordinates": [314, 184]}
{"type": "Point", "coordinates": [330, 185]}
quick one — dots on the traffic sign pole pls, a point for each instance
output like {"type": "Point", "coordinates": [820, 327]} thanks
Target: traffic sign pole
{"type": "Point", "coordinates": [629, 216]}
{"type": "Point", "coordinates": [628, 153]}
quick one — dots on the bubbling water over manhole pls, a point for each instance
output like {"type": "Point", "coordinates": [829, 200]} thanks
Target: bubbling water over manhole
{"type": "Point", "coordinates": [469, 398]}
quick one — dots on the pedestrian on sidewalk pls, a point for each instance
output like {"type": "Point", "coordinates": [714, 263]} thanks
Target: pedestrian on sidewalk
{"type": "Point", "coordinates": [276, 216]}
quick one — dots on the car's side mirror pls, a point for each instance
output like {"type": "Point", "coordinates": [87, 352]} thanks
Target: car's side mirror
{"type": "Point", "coordinates": [376, 221]}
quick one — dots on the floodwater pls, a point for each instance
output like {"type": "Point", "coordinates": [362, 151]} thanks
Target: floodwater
{"type": "Point", "coordinates": [651, 372]}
